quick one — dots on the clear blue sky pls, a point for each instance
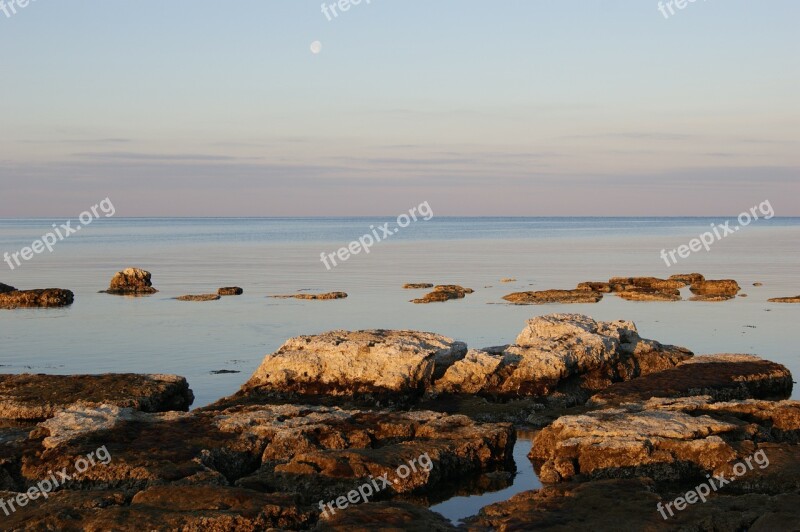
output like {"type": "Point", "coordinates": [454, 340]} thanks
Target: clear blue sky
{"type": "Point", "coordinates": [558, 107]}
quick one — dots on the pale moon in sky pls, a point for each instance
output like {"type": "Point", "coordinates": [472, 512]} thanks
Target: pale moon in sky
{"type": "Point", "coordinates": [316, 47]}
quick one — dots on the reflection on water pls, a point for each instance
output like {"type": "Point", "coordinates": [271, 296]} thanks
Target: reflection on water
{"type": "Point", "coordinates": [458, 508]}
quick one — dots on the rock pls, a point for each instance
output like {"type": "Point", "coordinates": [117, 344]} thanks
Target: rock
{"type": "Point", "coordinates": [723, 377]}
{"type": "Point", "coordinates": [443, 293]}
{"type": "Point", "coordinates": [648, 294]}
{"type": "Point", "coordinates": [665, 439]}
{"type": "Point", "coordinates": [568, 356]}
{"type": "Point", "coordinates": [6, 288]}
{"type": "Point", "coordinates": [230, 291]}
{"type": "Point", "coordinates": [377, 362]}
{"type": "Point", "coordinates": [415, 286]}
{"type": "Point", "coordinates": [329, 295]}
{"type": "Point", "coordinates": [724, 287]}
{"type": "Point", "coordinates": [385, 516]}
{"type": "Point", "coordinates": [173, 468]}
{"type": "Point", "coordinates": [554, 296]}
{"type": "Point", "coordinates": [614, 504]}
{"type": "Point", "coordinates": [595, 286]}
{"type": "Point", "coordinates": [201, 297]}
{"type": "Point", "coordinates": [33, 397]}
{"type": "Point", "coordinates": [688, 278]}
{"type": "Point", "coordinates": [131, 281]}
{"type": "Point", "coordinates": [758, 284]}
{"type": "Point", "coordinates": [508, 280]}
{"type": "Point", "coordinates": [711, 298]}
{"type": "Point", "coordinates": [620, 284]}
{"type": "Point", "coordinates": [795, 299]}
{"type": "Point", "coordinates": [42, 298]}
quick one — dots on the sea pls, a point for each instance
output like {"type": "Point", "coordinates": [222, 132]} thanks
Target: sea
{"type": "Point", "coordinates": [216, 345]}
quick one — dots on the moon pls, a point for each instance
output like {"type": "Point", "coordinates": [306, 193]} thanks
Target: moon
{"type": "Point", "coordinates": [316, 47]}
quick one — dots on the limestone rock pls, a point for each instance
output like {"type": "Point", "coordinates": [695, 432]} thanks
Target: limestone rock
{"type": "Point", "coordinates": [795, 299]}
{"type": "Point", "coordinates": [724, 287]}
{"type": "Point", "coordinates": [131, 281]}
{"type": "Point", "coordinates": [41, 298]}
{"type": "Point", "coordinates": [443, 293]}
{"type": "Point", "coordinates": [554, 296]}
{"type": "Point", "coordinates": [376, 362]}
{"type": "Point", "coordinates": [201, 297]}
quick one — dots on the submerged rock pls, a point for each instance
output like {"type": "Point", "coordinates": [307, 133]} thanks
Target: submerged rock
{"type": "Point", "coordinates": [230, 291]}
{"type": "Point", "coordinates": [795, 299]}
{"type": "Point", "coordinates": [443, 293]}
{"type": "Point", "coordinates": [32, 397]}
{"type": "Point", "coordinates": [201, 297]}
{"type": "Point", "coordinates": [329, 295]}
{"type": "Point", "coordinates": [416, 286]}
{"type": "Point", "coordinates": [40, 298]}
{"type": "Point", "coordinates": [649, 294]}
{"type": "Point", "coordinates": [131, 281]}
{"type": "Point", "coordinates": [554, 296]}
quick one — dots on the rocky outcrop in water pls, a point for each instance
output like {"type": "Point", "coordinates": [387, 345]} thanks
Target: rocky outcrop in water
{"type": "Point", "coordinates": [795, 299]}
{"type": "Point", "coordinates": [40, 298]}
{"type": "Point", "coordinates": [714, 290]}
{"type": "Point", "coordinates": [328, 295]}
{"type": "Point", "coordinates": [200, 297]}
{"type": "Point", "coordinates": [131, 281]}
{"type": "Point", "coordinates": [230, 291]}
{"type": "Point", "coordinates": [554, 296]}
{"type": "Point", "coordinates": [443, 293]}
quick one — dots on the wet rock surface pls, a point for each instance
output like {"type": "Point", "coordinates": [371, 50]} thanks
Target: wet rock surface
{"type": "Point", "coordinates": [39, 298]}
{"type": "Point", "coordinates": [443, 293]}
{"type": "Point", "coordinates": [230, 291]}
{"type": "Point", "coordinates": [721, 288]}
{"type": "Point", "coordinates": [325, 296]}
{"type": "Point", "coordinates": [417, 286]}
{"type": "Point", "coordinates": [200, 297]}
{"type": "Point", "coordinates": [554, 296]}
{"type": "Point", "coordinates": [795, 299]}
{"type": "Point", "coordinates": [131, 281]}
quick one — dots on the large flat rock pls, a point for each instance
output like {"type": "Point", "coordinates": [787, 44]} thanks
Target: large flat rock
{"type": "Point", "coordinates": [32, 397]}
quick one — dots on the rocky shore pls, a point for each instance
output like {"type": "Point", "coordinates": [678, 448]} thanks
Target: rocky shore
{"type": "Point", "coordinates": [625, 424]}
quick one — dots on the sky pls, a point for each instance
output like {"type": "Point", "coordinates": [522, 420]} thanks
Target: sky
{"type": "Point", "coordinates": [505, 108]}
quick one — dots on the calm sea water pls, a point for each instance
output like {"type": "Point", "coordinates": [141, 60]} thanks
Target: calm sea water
{"type": "Point", "coordinates": [102, 333]}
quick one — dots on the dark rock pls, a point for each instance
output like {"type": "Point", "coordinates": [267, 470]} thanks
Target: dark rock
{"type": "Point", "coordinates": [43, 298]}
{"type": "Point", "coordinates": [443, 293]}
{"type": "Point", "coordinates": [201, 297]}
{"type": "Point", "coordinates": [554, 296]}
{"type": "Point", "coordinates": [230, 291]}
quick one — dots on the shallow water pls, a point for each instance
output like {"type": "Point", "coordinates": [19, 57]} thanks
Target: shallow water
{"type": "Point", "coordinates": [458, 508]}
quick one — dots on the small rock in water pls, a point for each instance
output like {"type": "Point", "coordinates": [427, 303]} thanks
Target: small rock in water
{"type": "Point", "coordinates": [230, 291]}
{"type": "Point", "coordinates": [131, 281]}
{"type": "Point", "coordinates": [201, 297]}
{"type": "Point", "coordinates": [443, 293]}
{"type": "Point", "coordinates": [416, 286]}
{"type": "Point", "coordinates": [329, 295]}
{"type": "Point", "coordinates": [41, 298]}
